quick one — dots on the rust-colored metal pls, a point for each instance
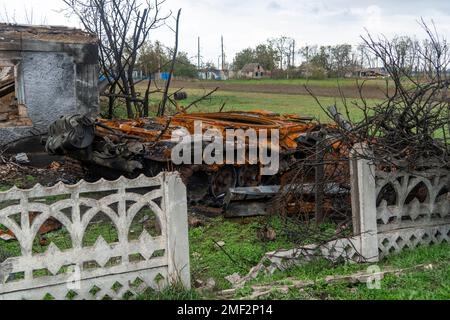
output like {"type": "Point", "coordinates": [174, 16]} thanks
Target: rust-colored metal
{"type": "Point", "coordinates": [49, 226]}
{"type": "Point", "coordinates": [289, 126]}
{"type": "Point", "coordinates": [145, 145]}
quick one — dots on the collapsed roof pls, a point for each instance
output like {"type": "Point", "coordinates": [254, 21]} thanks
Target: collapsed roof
{"type": "Point", "coordinates": [13, 34]}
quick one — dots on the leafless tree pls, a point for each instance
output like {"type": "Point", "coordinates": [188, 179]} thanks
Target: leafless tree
{"type": "Point", "coordinates": [123, 27]}
{"type": "Point", "coordinates": [283, 46]}
{"type": "Point", "coordinates": [162, 107]}
{"type": "Point", "coordinates": [28, 17]}
{"type": "Point", "coordinates": [8, 17]}
{"type": "Point", "coordinates": [409, 129]}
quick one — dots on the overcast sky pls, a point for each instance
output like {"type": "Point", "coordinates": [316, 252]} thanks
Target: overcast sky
{"type": "Point", "coordinates": [245, 23]}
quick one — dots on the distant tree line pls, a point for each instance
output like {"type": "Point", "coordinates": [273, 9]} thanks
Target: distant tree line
{"type": "Point", "coordinates": [284, 60]}
{"type": "Point", "coordinates": [276, 53]}
{"type": "Point", "coordinates": [155, 58]}
{"type": "Point", "coordinates": [280, 56]}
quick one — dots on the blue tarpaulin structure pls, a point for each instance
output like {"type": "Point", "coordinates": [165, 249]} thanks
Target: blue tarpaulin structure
{"type": "Point", "coordinates": [165, 76]}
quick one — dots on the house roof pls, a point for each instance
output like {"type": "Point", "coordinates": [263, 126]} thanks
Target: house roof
{"type": "Point", "coordinates": [380, 71]}
{"type": "Point", "coordinates": [210, 70]}
{"type": "Point", "coordinates": [45, 33]}
{"type": "Point", "coordinates": [250, 67]}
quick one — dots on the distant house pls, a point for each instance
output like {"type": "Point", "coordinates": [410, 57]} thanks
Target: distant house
{"type": "Point", "coordinates": [367, 73]}
{"type": "Point", "coordinates": [138, 74]}
{"type": "Point", "coordinates": [212, 74]}
{"type": "Point", "coordinates": [252, 71]}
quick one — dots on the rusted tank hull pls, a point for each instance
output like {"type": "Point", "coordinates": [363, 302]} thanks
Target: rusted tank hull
{"type": "Point", "coordinates": [145, 145]}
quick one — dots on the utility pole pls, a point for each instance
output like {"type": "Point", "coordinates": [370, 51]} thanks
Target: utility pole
{"type": "Point", "coordinates": [198, 55]}
{"type": "Point", "coordinates": [158, 53]}
{"type": "Point", "coordinates": [293, 53]}
{"type": "Point", "coordinates": [223, 56]}
{"type": "Point", "coordinates": [288, 56]}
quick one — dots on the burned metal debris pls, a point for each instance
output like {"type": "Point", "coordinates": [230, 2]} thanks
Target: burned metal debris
{"type": "Point", "coordinates": [144, 145]}
{"type": "Point", "coordinates": [180, 96]}
{"type": "Point", "coordinates": [259, 200]}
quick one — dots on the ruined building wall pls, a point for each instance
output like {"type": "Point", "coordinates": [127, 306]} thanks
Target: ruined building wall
{"type": "Point", "coordinates": [57, 78]}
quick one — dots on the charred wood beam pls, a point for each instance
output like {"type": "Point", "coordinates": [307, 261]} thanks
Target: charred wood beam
{"type": "Point", "coordinates": [320, 178]}
{"type": "Point", "coordinates": [261, 192]}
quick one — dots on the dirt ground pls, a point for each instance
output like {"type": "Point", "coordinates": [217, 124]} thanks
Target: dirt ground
{"type": "Point", "coordinates": [369, 91]}
{"type": "Point", "coordinates": [25, 177]}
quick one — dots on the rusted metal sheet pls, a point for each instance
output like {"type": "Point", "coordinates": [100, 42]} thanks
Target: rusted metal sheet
{"type": "Point", "coordinates": [242, 209]}
{"type": "Point", "coordinates": [161, 128]}
{"type": "Point", "coordinates": [144, 145]}
{"type": "Point", "coordinates": [261, 192]}
{"type": "Point", "coordinates": [256, 201]}
{"type": "Point", "coordinates": [49, 226]}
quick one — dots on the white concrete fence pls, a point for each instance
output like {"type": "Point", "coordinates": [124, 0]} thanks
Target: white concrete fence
{"type": "Point", "coordinates": [387, 215]}
{"type": "Point", "coordinates": [165, 196]}
{"type": "Point", "coordinates": [397, 210]}
{"type": "Point", "coordinates": [391, 211]}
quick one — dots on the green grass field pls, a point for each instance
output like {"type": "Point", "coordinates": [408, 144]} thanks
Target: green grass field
{"type": "Point", "coordinates": [325, 83]}
{"type": "Point", "coordinates": [243, 250]}
{"type": "Point", "coordinates": [244, 101]}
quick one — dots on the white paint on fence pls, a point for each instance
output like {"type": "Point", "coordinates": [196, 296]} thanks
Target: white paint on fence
{"type": "Point", "coordinates": [166, 199]}
{"type": "Point", "coordinates": [389, 204]}
{"type": "Point", "coordinates": [362, 176]}
{"type": "Point", "coordinates": [407, 221]}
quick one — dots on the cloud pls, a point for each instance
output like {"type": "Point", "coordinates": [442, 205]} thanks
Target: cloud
{"type": "Point", "coordinates": [374, 18]}
{"type": "Point", "coordinates": [250, 22]}
{"type": "Point", "coordinates": [274, 6]}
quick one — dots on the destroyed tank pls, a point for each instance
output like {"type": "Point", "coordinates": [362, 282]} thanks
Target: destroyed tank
{"type": "Point", "coordinates": [107, 148]}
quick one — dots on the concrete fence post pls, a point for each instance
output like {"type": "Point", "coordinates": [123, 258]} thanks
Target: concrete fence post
{"type": "Point", "coordinates": [363, 193]}
{"type": "Point", "coordinates": [175, 201]}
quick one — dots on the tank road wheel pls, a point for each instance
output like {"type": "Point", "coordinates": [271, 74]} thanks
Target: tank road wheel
{"type": "Point", "coordinates": [197, 187]}
{"type": "Point", "coordinates": [248, 176]}
{"type": "Point", "coordinates": [74, 167]}
{"type": "Point", "coordinates": [223, 180]}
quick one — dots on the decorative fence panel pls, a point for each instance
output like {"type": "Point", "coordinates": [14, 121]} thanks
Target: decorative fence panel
{"type": "Point", "coordinates": [397, 210]}
{"type": "Point", "coordinates": [163, 258]}
{"type": "Point", "coordinates": [412, 209]}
